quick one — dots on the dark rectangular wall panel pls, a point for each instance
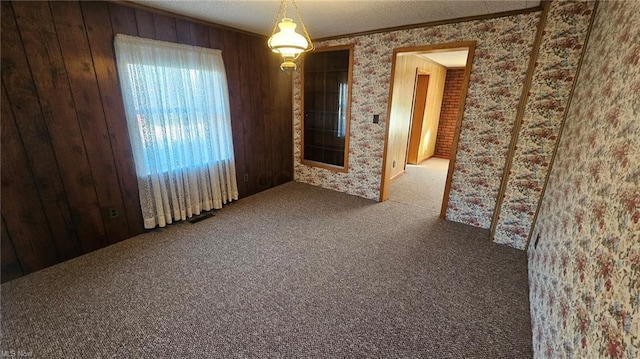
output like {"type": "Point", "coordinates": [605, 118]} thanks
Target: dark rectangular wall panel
{"type": "Point", "coordinates": [24, 103]}
{"type": "Point", "coordinates": [10, 266]}
{"type": "Point", "coordinates": [230, 56]}
{"type": "Point", "coordinates": [199, 35]}
{"type": "Point", "coordinates": [100, 34]}
{"type": "Point", "coordinates": [40, 41]}
{"type": "Point", "coordinates": [183, 32]}
{"type": "Point", "coordinates": [21, 205]}
{"type": "Point", "coordinates": [78, 62]}
{"type": "Point", "coordinates": [123, 19]}
{"type": "Point", "coordinates": [165, 28]}
{"type": "Point", "coordinates": [144, 22]}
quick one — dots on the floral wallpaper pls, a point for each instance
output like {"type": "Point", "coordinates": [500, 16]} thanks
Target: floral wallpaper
{"type": "Point", "coordinates": [499, 68]}
{"type": "Point", "coordinates": [565, 33]}
{"type": "Point", "coordinates": [584, 259]}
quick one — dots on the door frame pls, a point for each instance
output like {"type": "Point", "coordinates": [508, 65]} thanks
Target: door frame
{"type": "Point", "coordinates": [470, 46]}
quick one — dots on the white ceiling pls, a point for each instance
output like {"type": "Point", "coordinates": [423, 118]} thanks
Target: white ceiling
{"type": "Point", "coordinates": [449, 58]}
{"type": "Point", "coordinates": [326, 18]}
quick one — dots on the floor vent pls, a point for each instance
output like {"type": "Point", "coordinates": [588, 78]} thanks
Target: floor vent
{"type": "Point", "coordinates": [200, 217]}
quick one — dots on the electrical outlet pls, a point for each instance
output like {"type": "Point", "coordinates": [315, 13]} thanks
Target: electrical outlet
{"type": "Point", "coordinates": [113, 213]}
{"type": "Point", "coordinates": [393, 164]}
{"type": "Point", "coordinates": [376, 118]}
{"type": "Point", "coordinates": [245, 177]}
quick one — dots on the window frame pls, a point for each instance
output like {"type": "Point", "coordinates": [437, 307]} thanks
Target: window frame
{"type": "Point", "coordinates": [347, 133]}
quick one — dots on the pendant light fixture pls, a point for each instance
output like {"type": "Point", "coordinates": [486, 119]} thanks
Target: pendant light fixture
{"type": "Point", "coordinates": [287, 42]}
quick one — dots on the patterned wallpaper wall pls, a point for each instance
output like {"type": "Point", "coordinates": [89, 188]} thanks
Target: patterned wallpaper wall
{"type": "Point", "coordinates": [565, 33]}
{"type": "Point", "coordinates": [499, 68]}
{"type": "Point", "coordinates": [585, 272]}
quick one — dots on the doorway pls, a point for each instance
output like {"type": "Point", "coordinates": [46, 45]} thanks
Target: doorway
{"type": "Point", "coordinates": [417, 85]}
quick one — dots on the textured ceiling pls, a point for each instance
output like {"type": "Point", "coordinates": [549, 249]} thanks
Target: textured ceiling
{"type": "Point", "coordinates": [333, 17]}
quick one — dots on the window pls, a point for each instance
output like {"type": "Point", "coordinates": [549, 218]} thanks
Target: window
{"type": "Point", "coordinates": [175, 93]}
{"type": "Point", "coordinates": [177, 108]}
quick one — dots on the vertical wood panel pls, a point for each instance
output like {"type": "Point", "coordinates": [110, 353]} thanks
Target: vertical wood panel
{"type": "Point", "coordinates": [88, 105]}
{"type": "Point", "coordinates": [183, 32]}
{"type": "Point", "coordinates": [248, 113]}
{"type": "Point", "coordinates": [431, 114]}
{"type": "Point", "coordinates": [20, 202]}
{"type": "Point", "coordinates": [230, 55]}
{"type": "Point", "coordinates": [270, 119]}
{"type": "Point", "coordinates": [11, 267]}
{"type": "Point", "coordinates": [253, 124]}
{"type": "Point", "coordinates": [25, 106]}
{"type": "Point", "coordinates": [100, 35]}
{"type": "Point", "coordinates": [165, 28]}
{"type": "Point", "coordinates": [266, 123]}
{"type": "Point", "coordinates": [217, 40]}
{"type": "Point", "coordinates": [199, 35]}
{"type": "Point", "coordinates": [45, 60]}
{"type": "Point", "coordinates": [402, 106]}
{"type": "Point", "coordinates": [123, 19]}
{"type": "Point", "coordinates": [144, 22]}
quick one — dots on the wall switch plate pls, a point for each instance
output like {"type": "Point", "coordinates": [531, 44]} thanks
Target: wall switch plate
{"type": "Point", "coordinates": [376, 118]}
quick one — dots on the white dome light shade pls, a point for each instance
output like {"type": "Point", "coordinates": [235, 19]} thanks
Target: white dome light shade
{"type": "Point", "coordinates": [287, 42]}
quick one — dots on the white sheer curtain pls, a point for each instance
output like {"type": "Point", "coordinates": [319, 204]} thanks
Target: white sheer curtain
{"type": "Point", "coordinates": [177, 108]}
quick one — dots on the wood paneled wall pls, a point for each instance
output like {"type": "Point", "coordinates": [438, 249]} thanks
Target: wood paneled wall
{"type": "Point", "coordinates": [66, 156]}
{"type": "Point", "coordinates": [437, 75]}
{"type": "Point", "coordinates": [404, 78]}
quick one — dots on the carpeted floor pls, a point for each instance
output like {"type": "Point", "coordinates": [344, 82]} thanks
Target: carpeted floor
{"type": "Point", "coordinates": [293, 272]}
{"type": "Point", "coordinates": [422, 185]}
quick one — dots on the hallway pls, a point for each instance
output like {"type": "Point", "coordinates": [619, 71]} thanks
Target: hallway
{"type": "Point", "coordinates": [422, 185]}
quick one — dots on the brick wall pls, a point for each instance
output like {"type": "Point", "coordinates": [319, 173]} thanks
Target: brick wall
{"type": "Point", "coordinates": [449, 112]}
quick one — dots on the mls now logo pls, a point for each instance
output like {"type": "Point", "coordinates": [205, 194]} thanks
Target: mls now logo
{"type": "Point", "coordinates": [15, 353]}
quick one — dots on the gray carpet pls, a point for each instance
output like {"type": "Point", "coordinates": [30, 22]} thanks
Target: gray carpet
{"type": "Point", "coordinates": [422, 186]}
{"type": "Point", "coordinates": [293, 272]}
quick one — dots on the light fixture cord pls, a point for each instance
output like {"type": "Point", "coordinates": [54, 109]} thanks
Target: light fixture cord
{"type": "Point", "coordinates": [282, 13]}
{"type": "Point", "coordinates": [304, 28]}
